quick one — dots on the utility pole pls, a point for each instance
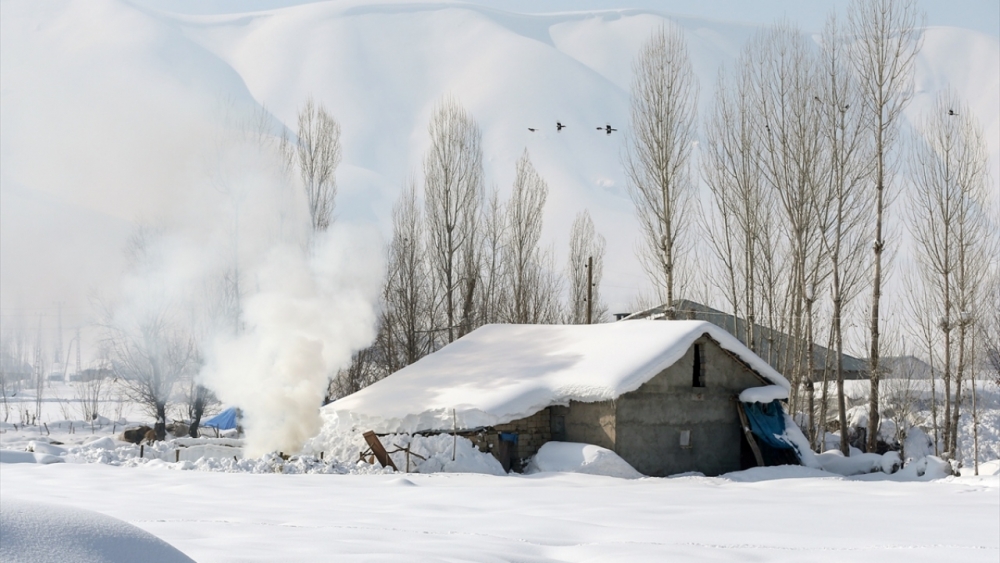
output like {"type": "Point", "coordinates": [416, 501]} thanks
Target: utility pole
{"type": "Point", "coordinates": [79, 369]}
{"type": "Point", "coordinates": [59, 335]}
{"type": "Point", "coordinates": [590, 288]}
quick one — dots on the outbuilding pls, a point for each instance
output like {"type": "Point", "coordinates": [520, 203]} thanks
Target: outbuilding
{"type": "Point", "coordinates": [667, 396]}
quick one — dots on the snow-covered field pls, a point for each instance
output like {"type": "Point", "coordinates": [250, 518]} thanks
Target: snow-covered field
{"type": "Point", "coordinates": [751, 516]}
{"type": "Point", "coordinates": [216, 508]}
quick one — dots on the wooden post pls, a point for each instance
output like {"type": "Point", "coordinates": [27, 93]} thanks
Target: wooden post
{"type": "Point", "coordinates": [177, 456]}
{"type": "Point", "coordinates": [142, 449]}
{"type": "Point", "coordinates": [749, 434]}
{"type": "Point", "coordinates": [590, 288]}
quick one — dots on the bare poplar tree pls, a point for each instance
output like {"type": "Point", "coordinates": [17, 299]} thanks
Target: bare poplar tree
{"type": "Point", "coordinates": [953, 235]}
{"type": "Point", "coordinates": [494, 292]}
{"type": "Point", "coordinates": [922, 307]}
{"type": "Point", "coordinates": [741, 204]}
{"type": "Point", "coordinates": [786, 95]}
{"type": "Point", "coordinates": [849, 157]}
{"type": "Point", "coordinates": [586, 249]}
{"type": "Point", "coordinates": [453, 184]}
{"type": "Point", "coordinates": [317, 152]}
{"type": "Point", "coordinates": [406, 309]}
{"type": "Point", "coordinates": [885, 43]}
{"type": "Point", "coordinates": [658, 150]}
{"type": "Point", "coordinates": [521, 254]}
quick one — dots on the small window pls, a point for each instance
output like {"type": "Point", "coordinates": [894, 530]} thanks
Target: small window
{"type": "Point", "coordinates": [685, 439]}
{"type": "Point", "coordinates": [698, 373]}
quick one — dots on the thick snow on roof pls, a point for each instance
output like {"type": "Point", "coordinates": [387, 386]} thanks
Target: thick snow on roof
{"type": "Point", "coordinates": [500, 373]}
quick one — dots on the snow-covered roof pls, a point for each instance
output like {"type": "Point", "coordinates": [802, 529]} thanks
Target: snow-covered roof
{"type": "Point", "coordinates": [500, 373]}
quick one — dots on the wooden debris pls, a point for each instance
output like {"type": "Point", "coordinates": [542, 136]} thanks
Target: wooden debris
{"type": "Point", "coordinates": [378, 450]}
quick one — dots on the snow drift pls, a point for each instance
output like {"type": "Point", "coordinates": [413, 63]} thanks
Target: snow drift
{"type": "Point", "coordinates": [36, 532]}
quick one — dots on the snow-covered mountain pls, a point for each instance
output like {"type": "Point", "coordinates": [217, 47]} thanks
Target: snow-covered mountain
{"type": "Point", "coordinates": [104, 106]}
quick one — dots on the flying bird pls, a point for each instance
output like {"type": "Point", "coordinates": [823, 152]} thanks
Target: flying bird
{"type": "Point", "coordinates": [559, 126]}
{"type": "Point", "coordinates": [607, 129]}
{"type": "Point", "coordinates": [532, 129]}
{"type": "Point", "coordinates": [952, 112]}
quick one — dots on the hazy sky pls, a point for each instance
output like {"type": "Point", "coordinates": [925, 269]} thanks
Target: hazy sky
{"type": "Point", "coordinates": [981, 15]}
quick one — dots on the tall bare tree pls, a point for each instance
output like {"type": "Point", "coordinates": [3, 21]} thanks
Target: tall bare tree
{"type": "Point", "coordinates": [885, 43]}
{"type": "Point", "coordinates": [453, 185]}
{"type": "Point", "coordinates": [786, 96]}
{"type": "Point", "coordinates": [317, 154]}
{"type": "Point", "coordinates": [848, 150]}
{"type": "Point", "coordinates": [406, 309]}
{"type": "Point", "coordinates": [952, 232]}
{"type": "Point", "coordinates": [494, 292]}
{"type": "Point", "coordinates": [586, 249]}
{"type": "Point", "coordinates": [523, 266]}
{"type": "Point", "coordinates": [658, 151]}
{"type": "Point", "coordinates": [740, 201]}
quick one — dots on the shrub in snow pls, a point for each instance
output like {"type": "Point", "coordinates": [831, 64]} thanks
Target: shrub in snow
{"type": "Point", "coordinates": [917, 444]}
{"type": "Point", "coordinates": [571, 457]}
{"type": "Point", "coordinates": [35, 532]}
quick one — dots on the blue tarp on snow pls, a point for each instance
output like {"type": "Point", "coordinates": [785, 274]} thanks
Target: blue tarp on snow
{"type": "Point", "coordinates": [767, 422]}
{"type": "Point", "coordinates": [223, 421]}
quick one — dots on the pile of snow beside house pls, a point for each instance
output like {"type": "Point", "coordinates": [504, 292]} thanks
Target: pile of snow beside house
{"type": "Point", "coordinates": [572, 457]}
{"type": "Point", "coordinates": [500, 373]}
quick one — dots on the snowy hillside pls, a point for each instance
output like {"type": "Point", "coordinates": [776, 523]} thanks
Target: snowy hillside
{"type": "Point", "coordinates": [105, 106]}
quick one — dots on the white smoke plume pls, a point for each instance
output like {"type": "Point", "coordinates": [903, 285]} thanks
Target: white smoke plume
{"type": "Point", "coordinates": [312, 310]}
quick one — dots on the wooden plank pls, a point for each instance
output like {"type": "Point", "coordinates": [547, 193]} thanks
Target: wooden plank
{"type": "Point", "coordinates": [380, 454]}
{"type": "Point", "coordinates": [749, 434]}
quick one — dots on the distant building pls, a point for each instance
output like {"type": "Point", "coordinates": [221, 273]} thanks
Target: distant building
{"type": "Point", "coordinates": [771, 345]}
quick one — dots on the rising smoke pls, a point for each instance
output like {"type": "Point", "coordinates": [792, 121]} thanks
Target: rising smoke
{"type": "Point", "coordinates": [271, 309]}
{"type": "Point", "coordinates": [311, 310]}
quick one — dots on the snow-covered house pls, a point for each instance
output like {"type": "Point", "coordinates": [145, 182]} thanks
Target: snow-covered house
{"type": "Point", "coordinates": [666, 396]}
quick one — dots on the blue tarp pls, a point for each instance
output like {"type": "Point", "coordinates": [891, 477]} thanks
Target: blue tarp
{"type": "Point", "coordinates": [767, 422]}
{"type": "Point", "coordinates": [223, 421]}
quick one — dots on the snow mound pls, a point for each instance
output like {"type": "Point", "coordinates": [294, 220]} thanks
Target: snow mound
{"type": "Point", "coordinates": [572, 457]}
{"type": "Point", "coordinates": [40, 447]}
{"type": "Point", "coordinates": [35, 532]}
{"type": "Point", "coordinates": [756, 474]}
{"type": "Point", "coordinates": [14, 456]}
{"type": "Point", "coordinates": [986, 468]}
{"type": "Point", "coordinates": [925, 469]}
{"type": "Point", "coordinates": [500, 373]}
{"type": "Point", "coordinates": [859, 464]}
{"type": "Point", "coordinates": [105, 443]}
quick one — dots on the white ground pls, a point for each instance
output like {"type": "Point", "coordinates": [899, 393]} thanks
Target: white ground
{"type": "Point", "coordinates": [223, 510]}
{"type": "Point", "coordinates": [215, 517]}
